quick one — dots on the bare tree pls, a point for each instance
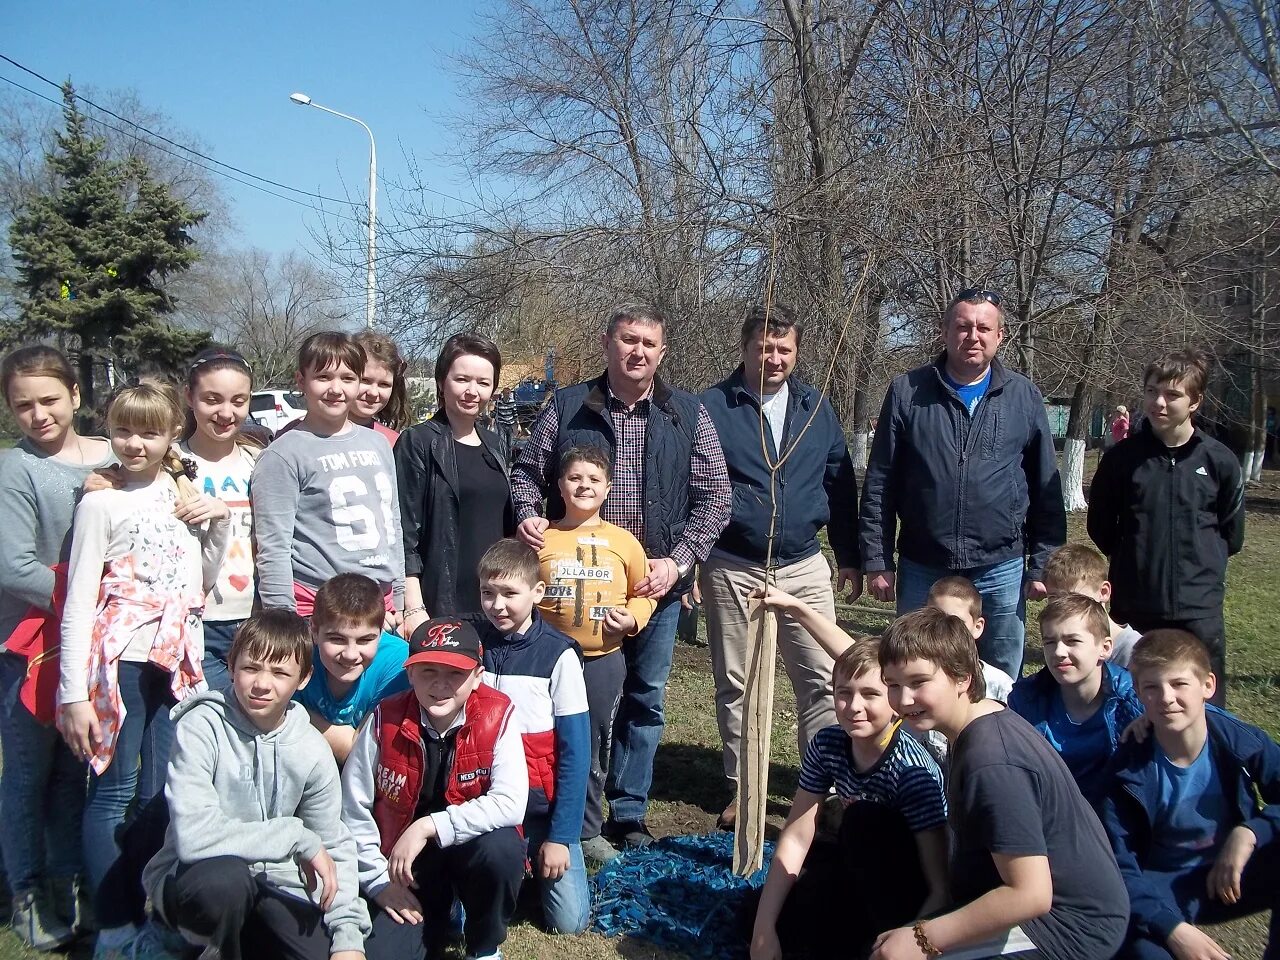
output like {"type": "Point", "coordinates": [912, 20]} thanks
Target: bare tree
{"type": "Point", "coordinates": [265, 305]}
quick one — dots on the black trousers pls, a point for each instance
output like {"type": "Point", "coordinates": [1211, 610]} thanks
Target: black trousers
{"type": "Point", "coordinates": [219, 900]}
{"type": "Point", "coordinates": [1211, 631]}
{"type": "Point", "coordinates": [484, 874]}
{"type": "Point", "coordinates": [849, 892]}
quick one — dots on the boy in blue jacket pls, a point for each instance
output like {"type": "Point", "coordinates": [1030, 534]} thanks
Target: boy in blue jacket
{"type": "Point", "coordinates": [1079, 701]}
{"type": "Point", "coordinates": [1193, 811]}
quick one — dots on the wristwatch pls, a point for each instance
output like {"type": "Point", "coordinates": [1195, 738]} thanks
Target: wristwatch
{"type": "Point", "coordinates": [682, 570]}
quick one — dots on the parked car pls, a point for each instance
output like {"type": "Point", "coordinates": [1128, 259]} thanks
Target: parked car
{"type": "Point", "coordinates": [275, 408]}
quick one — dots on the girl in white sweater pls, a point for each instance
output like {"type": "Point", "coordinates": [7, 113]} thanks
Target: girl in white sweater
{"type": "Point", "coordinates": [142, 557]}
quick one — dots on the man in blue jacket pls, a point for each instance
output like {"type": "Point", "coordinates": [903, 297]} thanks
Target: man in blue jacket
{"type": "Point", "coordinates": [763, 407]}
{"type": "Point", "coordinates": [963, 459]}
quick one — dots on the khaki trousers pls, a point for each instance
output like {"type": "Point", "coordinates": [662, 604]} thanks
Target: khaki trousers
{"type": "Point", "coordinates": [726, 584]}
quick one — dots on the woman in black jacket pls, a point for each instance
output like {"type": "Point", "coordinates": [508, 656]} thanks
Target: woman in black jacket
{"type": "Point", "coordinates": [455, 498]}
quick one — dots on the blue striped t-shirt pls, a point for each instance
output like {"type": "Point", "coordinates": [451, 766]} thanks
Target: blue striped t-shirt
{"type": "Point", "coordinates": [905, 777]}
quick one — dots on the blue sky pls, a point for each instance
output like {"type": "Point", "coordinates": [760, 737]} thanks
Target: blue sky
{"type": "Point", "coordinates": [224, 70]}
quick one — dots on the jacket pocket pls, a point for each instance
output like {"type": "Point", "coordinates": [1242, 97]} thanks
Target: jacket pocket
{"type": "Point", "coordinates": [992, 431]}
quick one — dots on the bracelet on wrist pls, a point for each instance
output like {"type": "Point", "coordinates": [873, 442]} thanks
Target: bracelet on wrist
{"type": "Point", "coordinates": [414, 611]}
{"type": "Point", "coordinates": [922, 941]}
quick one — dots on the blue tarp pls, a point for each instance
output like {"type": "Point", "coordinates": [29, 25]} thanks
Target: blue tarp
{"type": "Point", "coordinates": [679, 893]}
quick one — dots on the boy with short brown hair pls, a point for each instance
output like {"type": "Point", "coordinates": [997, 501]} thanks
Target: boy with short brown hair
{"type": "Point", "coordinates": [888, 863]}
{"type": "Point", "coordinates": [360, 663]}
{"type": "Point", "coordinates": [1011, 801]}
{"type": "Point", "coordinates": [1079, 701]}
{"type": "Point", "coordinates": [1193, 842]}
{"type": "Point", "coordinates": [1167, 508]}
{"type": "Point", "coordinates": [244, 875]}
{"type": "Point", "coordinates": [958, 597]}
{"type": "Point", "coordinates": [540, 669]}
{"type": "Point", "coordinates": [1078, 568]}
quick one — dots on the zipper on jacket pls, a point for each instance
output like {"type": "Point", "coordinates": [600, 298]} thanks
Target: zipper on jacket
{"type": "Point", "coordinates": [975, 421]}
{"type": "Point", "coordinates": [1173, 534]}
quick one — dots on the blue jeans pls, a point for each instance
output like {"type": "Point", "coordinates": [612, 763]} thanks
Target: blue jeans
{"type": "Point", "coordinates": [637, 728]}
{"type": "Point", "coordinates": [566, 902]}
{"type": "Point", "coordinates": [1004, 605]}
{"type": "Point", "coordinates": [41, 791]}
{"type": "Point", "coordinates": [137, 771]}
{"type": "Point", "coordinates": [218, 635]}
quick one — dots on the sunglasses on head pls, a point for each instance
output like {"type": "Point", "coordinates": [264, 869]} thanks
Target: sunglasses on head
{"type": "Point", "coordinates": [977, 295]}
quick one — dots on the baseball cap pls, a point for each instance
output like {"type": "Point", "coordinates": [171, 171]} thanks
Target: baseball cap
{"type": "Point", "coordinates": [448, 641]}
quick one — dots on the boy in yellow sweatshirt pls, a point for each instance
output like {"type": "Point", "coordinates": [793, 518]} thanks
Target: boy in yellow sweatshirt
{"type": "Point", "coordinates": [591, 569]}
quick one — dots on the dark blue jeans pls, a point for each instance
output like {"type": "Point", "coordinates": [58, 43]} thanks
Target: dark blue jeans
{"type": "Point", "coordinates": [137, 771]}
{"type": "Point", "coordinates": [1259, 888]}
{"type": "Point", "coordinates": [41, 791]}
{"type": "Point", "coordinates": [1004, 605]}
{"type": "Point", "coordinates": [638, 726]}
{"type": "Point", "coordinates": [218, 635]}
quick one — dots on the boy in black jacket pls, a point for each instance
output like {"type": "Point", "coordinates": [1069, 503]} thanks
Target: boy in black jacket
{"type": "Point", "coordinates": [1167, 508]}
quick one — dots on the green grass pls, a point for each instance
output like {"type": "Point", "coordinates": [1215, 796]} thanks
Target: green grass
{"type": "Point", "coordinates": [689, 789]}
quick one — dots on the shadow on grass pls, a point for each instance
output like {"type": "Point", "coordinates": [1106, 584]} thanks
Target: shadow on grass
{"type": "Point", "coordinates": [694, 774]}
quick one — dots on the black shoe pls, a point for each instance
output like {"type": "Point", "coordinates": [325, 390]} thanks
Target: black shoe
{"type": "Point", "coordinates": [627, 834]}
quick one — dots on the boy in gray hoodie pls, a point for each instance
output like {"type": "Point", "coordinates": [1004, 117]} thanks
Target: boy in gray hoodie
{"type": "Point", "coordinates": [256, 860]}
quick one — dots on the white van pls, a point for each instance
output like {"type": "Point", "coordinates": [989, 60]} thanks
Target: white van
{"type": "Point", "coordinates": [275, 408]}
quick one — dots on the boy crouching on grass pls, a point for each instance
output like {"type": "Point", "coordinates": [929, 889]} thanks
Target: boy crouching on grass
{"type": "Point", "coordinates": [1031, 871]}
{"type": "Point", "coordinates": [434, 789]}
{"type": "Point", "coordinates": [888, 866]}
{"type": "Point", "coordinates": [540, 669]}
{"type": "Point", "coordinates": [360, 665]}
{"type": "Point", "coordinates": [255, 807]}
{"type": "Point", "coordinates": [1079, 701]}
{"type": "Point", "coordinates": [1194, 810]}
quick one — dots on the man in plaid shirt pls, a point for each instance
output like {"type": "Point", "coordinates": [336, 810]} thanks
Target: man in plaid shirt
{"type": "Point", "coordinates": [670, 490]}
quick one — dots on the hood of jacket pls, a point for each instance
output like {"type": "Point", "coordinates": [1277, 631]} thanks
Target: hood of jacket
{"type": "Point", "coordinates": [270, 760]}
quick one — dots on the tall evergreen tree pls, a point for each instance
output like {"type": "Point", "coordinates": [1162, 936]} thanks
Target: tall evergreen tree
{"type": "Point", "coordinates": [93, 256]}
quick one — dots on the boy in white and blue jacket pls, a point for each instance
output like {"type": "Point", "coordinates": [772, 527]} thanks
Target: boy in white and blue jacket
{"type": "Point", "coordinates": [540, 669]}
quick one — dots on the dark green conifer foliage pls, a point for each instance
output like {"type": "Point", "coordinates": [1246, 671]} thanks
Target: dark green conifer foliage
{"type": "Point", "coordinates": [93, 257]}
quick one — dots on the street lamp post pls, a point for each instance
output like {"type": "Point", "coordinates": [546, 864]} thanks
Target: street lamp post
{"type": "Point", "coordinates": [370, 281]}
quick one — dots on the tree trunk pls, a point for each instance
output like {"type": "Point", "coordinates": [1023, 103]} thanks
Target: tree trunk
{"type": "Point", "coordinates": [1073, 447]}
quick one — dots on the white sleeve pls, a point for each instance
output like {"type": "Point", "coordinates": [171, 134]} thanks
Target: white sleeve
{"type": "Point", "coordinates": [90, 543]}
{"type": "Point", "coordinates": [214, 550]}
{"type": "Point", "coordinates": [504, 803]}
{"type": "Point", "coordinates": [568, 688]}
{"type": "Point", "coordinates": [357, 808]}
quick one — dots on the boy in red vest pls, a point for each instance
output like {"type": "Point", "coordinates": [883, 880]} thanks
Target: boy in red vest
{"type": "Point", "coordinates": [433, 791]}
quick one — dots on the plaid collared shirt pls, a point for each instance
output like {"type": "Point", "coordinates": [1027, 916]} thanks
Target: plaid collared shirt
{"type": "Point", "coordinates": [710, 496]}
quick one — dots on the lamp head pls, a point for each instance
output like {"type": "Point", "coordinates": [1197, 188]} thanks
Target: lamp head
{"type": "Point", "coordinates": [301, 99]}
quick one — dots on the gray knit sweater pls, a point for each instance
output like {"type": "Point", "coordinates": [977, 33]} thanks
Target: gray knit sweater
{"type": "Point", "coordinates": [38, 495]}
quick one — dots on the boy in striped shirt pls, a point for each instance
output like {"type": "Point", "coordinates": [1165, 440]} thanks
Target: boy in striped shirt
{"type": "Point", "coordinates": [889, 863]}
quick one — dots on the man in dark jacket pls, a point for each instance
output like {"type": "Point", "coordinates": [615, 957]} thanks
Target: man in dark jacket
{"type": "Point", "coordinates": [670, 491]}
{"type": "Point", "coordinates": [763, 407]}
{"type": "Point", "coordinates": [963, 458]}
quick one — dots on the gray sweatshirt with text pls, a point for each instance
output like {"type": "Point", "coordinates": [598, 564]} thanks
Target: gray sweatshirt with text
{"type": "Point", "coordinates": [324, 506]}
